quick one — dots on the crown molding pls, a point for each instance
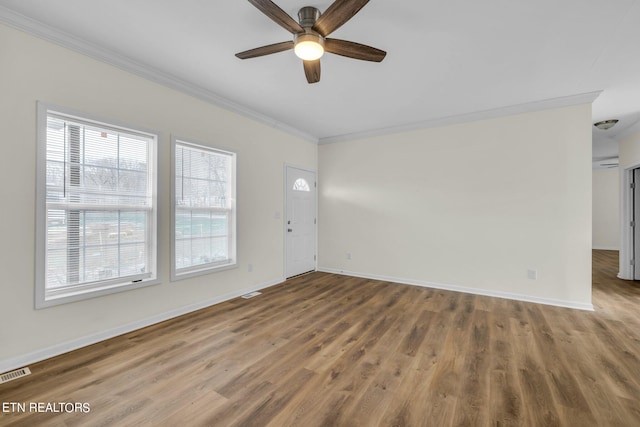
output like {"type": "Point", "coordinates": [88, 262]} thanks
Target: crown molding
{"type": "Point", "coordinates": [66, 40]}
{"type": "Point", "coordinates": [545, 104]}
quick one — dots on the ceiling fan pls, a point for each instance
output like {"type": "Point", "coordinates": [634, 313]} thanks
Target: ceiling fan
{"type": "Point", "coordinates": [310, 39]}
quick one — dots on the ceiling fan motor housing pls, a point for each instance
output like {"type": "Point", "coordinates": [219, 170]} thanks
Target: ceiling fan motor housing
{"type": "Point", "coordinates": [307, 16]}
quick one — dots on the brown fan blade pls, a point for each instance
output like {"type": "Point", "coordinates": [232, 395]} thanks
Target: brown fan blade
{"type": "Point", "coordinates": [278, 15]}
{"type": "Point", "coordinates": [354, 50]}
{"type": "Point", "coordinates": [337, 14]}
{"type": "Point", "coordinates": [312, 70]}
{"type": "Point", "coordinates": [265, 50]}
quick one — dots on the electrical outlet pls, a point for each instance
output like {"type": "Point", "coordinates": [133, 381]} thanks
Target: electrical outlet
{"type": "Point", "coordinates": [532, 274]}
{"type": "Point", "coordinates": [250, 268]}
{"type": "Point", "coordinates": [348, 255]}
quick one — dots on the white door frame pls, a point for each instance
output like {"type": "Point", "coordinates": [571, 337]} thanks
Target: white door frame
{"type": "Point", "coordinates": [284, 216]}
{"type": "Point", "coordinates": [626, 216]}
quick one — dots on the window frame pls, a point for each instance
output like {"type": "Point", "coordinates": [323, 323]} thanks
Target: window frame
{"type": "Point", "coordinates": [179, 274]}
{"type": "Point", "coordinates": [82, 291]}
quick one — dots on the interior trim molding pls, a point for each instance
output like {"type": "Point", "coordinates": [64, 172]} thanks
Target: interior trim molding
{"type": "Point", "coordinates": [474, 291]}
{"type": "Point", "coordinates": [626, 270]}
{"type": "Point", "coordinates": [606, 248]}
{"type": "Point", "coordinates": [528, 107]}
{"type": "Point", "coordinates": [66, 40]}
{"type": "Point", "coordinates": [65, 347]}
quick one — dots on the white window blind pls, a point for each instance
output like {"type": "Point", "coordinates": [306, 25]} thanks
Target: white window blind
{"type": "Point", "coordinates": [100, 207]}
{"type": "Point", "coordinates": [203, 209]}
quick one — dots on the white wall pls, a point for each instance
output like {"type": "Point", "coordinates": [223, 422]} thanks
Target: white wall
{"type": "Point", "coordinates": [472, 206]}
{"type": "Point", "coordinates": [32, 69]}
{"type": "Point", "coordinates": [606, 209]}
{"type": "Point", "coordinates": [630, 151]}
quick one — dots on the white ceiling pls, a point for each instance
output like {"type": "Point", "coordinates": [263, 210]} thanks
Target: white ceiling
{"type": "Point", "coordinates": [446, 58]}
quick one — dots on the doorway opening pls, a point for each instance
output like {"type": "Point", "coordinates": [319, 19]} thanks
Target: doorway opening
{"type": "Point", "coordinates": [630, 224]}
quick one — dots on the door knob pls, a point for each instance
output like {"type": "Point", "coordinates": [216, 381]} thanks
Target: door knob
{"type": "Point", "coordinates": [289, 230]}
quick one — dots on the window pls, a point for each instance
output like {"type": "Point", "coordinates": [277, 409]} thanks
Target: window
{"type": "Point", "coordinates": [301, 185]}
{"type": "Point", "coordinates": [203, 206]}
{"type": "Point", "coordinates": [97, 213]}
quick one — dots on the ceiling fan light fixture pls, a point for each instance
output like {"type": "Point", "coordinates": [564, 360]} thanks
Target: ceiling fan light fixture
{"type": "Point", "coordinates": [309, 46]}
{"type": "Point", "coordinates": [310, 35]}
{"type": "Point", "coordinates": [606, 124]}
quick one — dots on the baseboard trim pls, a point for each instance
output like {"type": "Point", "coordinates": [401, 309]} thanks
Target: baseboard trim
{"type": "Point", "coordinates": [58, 349]}
{"type": "Point", "coordinates": [483, 292]}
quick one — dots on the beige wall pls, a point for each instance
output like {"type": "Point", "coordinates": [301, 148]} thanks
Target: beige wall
{"type": "Point", "coordinates": [629, 151]}
{"type": "Point", "coordinates": [606, 209]}
{"type": "Point", "coordinates": [472, 206]}
{"type": "Point", "coordinates": [32, 69]}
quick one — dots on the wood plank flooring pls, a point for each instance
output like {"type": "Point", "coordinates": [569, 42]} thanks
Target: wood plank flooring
{"type": "Point", "coordinates": [328, 350]}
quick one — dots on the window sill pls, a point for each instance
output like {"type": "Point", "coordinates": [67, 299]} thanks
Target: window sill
{"type": "Point", "coordinates": [179, 276]}
{"type": "Point", "coordinates": [43, 302]}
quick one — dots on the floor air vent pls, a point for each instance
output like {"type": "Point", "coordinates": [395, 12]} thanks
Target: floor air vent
{"type": "Point", "coordinates": [14, 375]}
{"type": "Point", "coordinates": [251, 295]}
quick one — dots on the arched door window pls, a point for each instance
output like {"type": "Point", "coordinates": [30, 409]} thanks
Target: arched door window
{"type": "Point", "coordinates": [301, 185]}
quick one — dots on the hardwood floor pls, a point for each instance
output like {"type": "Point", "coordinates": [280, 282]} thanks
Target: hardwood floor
{"type": "Point", "coordinates": [327, 350]}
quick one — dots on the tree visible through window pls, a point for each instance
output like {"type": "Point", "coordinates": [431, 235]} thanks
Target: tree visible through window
{"type": "Point", "coordinates": [204, 209]}
{"type": "Point", "coordinates": [99, 208]}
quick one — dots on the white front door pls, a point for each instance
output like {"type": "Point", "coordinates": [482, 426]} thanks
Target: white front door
{"type": "Point", "coordinates": [300, 221]}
